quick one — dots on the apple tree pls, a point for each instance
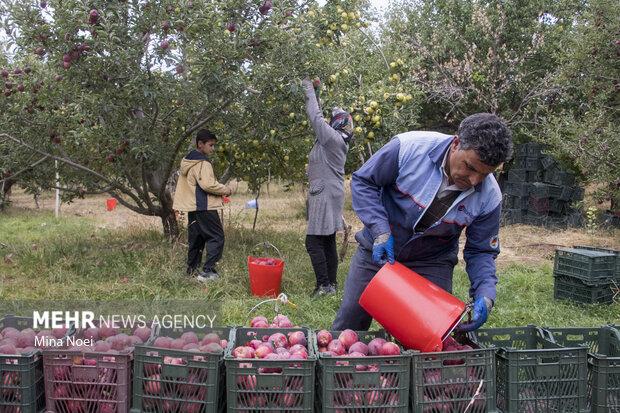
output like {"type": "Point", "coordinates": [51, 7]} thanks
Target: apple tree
{"type": "Point", "coordinates": [115, 90]}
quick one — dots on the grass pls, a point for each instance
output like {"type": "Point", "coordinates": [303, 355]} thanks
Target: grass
{"type": "Point", "coordinates": [74, 258]}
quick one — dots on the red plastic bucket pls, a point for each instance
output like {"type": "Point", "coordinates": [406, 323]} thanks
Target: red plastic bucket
{"type": "Point", "coordinates": [415, 311]}
{"type": "Point", "coordinates": [110, 204]}
{"type": "Point", "coordinates": [265, 276]}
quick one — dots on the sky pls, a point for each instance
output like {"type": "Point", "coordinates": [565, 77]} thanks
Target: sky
{"type": "Point", "coordinates": [380, 4]}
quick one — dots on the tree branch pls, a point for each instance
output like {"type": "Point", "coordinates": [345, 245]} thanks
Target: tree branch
{"type": "Point", "coordinates": [83, 168]}
{"type": "Point", "coordinates": [387, 65]}
{"type": "Point", "coordinates": [29, 167]}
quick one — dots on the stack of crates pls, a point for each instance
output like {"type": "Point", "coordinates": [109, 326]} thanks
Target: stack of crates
{"type": "Point", "coordinates": [586, 274]}
{"type": "Point", "coordinates": [537, 191]}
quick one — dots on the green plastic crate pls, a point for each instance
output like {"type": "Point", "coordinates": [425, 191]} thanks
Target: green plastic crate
{"type": "Point", "coordinates": [566, 287]}
{"type": "Point", "coordinates": [607, 251]}
{"type": "Point", "coordinates": [195, 385]}
{"type": "Point", "coordinates": [534, 374]}
{"type": "Point", "coordinates": [269, 385]}
{"type": "Point", "coordinates": [363, 385]}
{"type": "Point", "coordinates": [451, 381]}
{"type": "Point", "coordinates": [603, 345]}
{"type": "Point", "coordinates": [21, 376]}
{"type": "Point", "coordinates": [591, 266]}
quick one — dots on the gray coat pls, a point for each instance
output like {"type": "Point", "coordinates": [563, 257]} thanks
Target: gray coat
{"type": "Point", "coordinates": [325, 171]}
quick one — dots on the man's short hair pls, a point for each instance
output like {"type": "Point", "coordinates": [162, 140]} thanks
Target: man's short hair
{"type": "Point", "coordinates": [488, 135]}
{"type": "Point", "coordinates": [204, 135]}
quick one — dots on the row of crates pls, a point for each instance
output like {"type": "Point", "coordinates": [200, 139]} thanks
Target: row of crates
{"type": "Point", "coordinates": [586, 274]}
{"type": "Point", "coordinates": [538, 192]}
{"type": "Point", "coordinates": [520, 369]}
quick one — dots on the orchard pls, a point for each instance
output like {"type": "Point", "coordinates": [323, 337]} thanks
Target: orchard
{"type": "Point", "coordinates": [115, 91]}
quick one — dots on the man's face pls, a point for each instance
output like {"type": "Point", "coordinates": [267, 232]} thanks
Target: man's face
{"type": "Point", "coordinates": [466, 168]}
{"type": "Point", "coordinates": [206, 148]}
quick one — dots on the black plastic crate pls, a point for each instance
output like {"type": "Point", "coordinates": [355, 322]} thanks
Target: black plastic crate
{"type": "Point", "coordinates": [538, 205]}
{"type": "Point", "coordinates": [529, 163]}
{"type": "Point", "coordinates": [534, 374]}
{"type": "Point", "coordinates": [590, 266]}
{"type": "Point", "coordinates": [547, 162]}
{"type": "Point", "coordinates": [21, 376]}
{"type": "Point", "coordinates": [566, 287]}
{"type": "Point", "coordinates": [511, 216]}
{"type": "Point", "coordinates": [603, 344]}
{"type": "Point", "coordinates": [563, 178]}
{"type": "Point", "coordinates": [364, 384]}
{"type": "Point", "coordinates": [269, 385]}
{"type": "Point", "coordinates": [515, 202]}
{"type": "Point", "coordinates": [450, 381]}
{"type": "Point", "coordinates": [522, 175]}
{"type": "Point", "coordinates": [166, 380]}
{"type": "Point", "coordinates": [566, 193]}
{"type": "Point", "coordinates": [517, 188]}
{"type": "Point", "coordinates": [529, 149]}
{"type": "Point", "coordinates": [542, 190]}
{"type": "Point", "coordinates": [577, 194]}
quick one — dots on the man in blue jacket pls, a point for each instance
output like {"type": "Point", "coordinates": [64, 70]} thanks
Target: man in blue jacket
{"type": "Point", "coordinates": [414, 196]}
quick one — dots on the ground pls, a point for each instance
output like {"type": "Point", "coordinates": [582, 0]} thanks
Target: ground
{"type": "Point", "coordinates": [90, 253]}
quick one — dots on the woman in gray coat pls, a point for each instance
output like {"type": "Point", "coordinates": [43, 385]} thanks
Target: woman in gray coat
{"type": "Point", "coordinates": [326, 188]}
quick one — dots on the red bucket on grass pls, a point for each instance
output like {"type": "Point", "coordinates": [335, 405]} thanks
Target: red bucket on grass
{"type": "Point", "coordinates": [110, 204]}
{"type": "Point", "coordinates": [415, 311]}
{"type": "Point", "coordinates": [265, 276]}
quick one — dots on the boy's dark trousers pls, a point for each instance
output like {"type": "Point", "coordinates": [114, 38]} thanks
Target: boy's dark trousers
{"type": "Point", "coordinates": [204, 228]}
{"type": "Point", "coordinates": [324, 257]}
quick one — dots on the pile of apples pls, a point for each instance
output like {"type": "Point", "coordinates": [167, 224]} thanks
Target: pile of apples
{"type": "Point", "coordinates": [348, 346]}
{"type": "Point", "coordinates": [14, 342]}
{"type": "Point", "coordinates": [181, 394]}
{"type": "Point", "coordinates": [279, 321]}
{"type": "Point", "coordinates": [276, 346]}
{"type": "Point", "coordinates": [264, 261]}
{"type": "Point", "coordinates": [442, 390]}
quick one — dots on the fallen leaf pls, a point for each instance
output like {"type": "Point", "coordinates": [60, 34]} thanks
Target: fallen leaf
{"type": "Point", "coordinates": [8, 259]}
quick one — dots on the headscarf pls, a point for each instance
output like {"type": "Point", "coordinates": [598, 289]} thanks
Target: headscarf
{"type": "Point", "coordinates": [342, 122]}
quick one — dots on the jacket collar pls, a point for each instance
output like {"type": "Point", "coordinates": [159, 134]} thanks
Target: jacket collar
{"type": "Point", "coordinates": [195, 155]}
{"type": "Point", "coordinates": [437, 153]}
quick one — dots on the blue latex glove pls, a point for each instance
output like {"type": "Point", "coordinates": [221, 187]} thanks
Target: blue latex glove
{"type": "Point", "coordinates": [479, 315]}
{"type": "Point", "coordinates": [383, 247]}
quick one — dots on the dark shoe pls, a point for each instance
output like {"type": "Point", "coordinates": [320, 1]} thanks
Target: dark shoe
{"type": "Point", "coordinates": [191, 271]}
{"type": "Point", "coordinates": [323, 290]}
{"type": "Point", "coordinates": [207, 276]}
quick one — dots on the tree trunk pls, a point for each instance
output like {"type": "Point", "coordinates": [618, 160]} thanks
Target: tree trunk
{"type": "Point", "coordinates": [171, 226]}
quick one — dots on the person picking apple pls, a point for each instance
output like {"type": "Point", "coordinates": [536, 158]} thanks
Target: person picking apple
{"type": "Point", "coordinates": [326, 188]}
{"type": "Point", "coordinates": [200, 195]}
{"type": "Point", "coordinates": [415, 196]}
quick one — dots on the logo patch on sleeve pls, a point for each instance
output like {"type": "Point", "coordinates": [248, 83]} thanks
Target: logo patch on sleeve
{"type": "Point", "coordinates": [494, 243]}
